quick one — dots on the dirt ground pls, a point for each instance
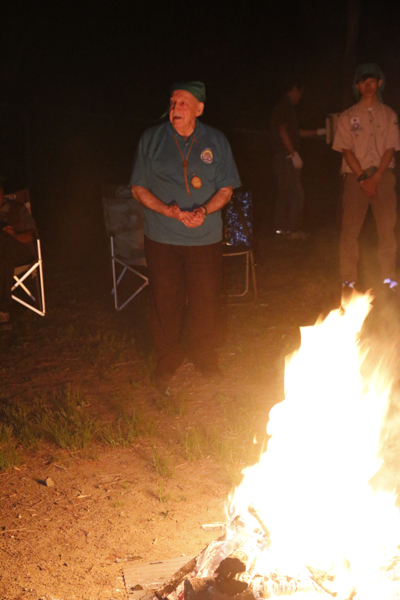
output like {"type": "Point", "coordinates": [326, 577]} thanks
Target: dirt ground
{"type": "Point", "coordinates": [108, 506]}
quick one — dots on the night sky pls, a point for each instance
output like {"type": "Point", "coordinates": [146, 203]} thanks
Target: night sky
{"type": "Point", "coordinates": [81, 81]}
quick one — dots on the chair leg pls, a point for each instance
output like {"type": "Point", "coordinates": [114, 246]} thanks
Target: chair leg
{"type": "Point", "coordinates": [253, 273]}
{"type": "Point", "coordinates": [117, 280]}
{"type": "Point", "coordinates": [35, 270]}
{"type": "Point", "coordinates": [40, 282]}
{"type": "Point", "coordinates": [249, 266]}
{"type": "Point", "coordinates": [246, 281]}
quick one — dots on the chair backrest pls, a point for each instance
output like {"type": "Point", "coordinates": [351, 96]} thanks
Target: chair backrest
{"type": "Point", "coordinates": [238, 220]}
{"type": "Point", "coordinates": [123, 218]}
{"type": "Point", "coordinates": [22, 197]}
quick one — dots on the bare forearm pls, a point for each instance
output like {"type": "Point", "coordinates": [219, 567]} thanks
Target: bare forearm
{"type": "Point", "coordinates": [219, 200]}
{"type": "Point", "coordinates": [385, 160]}
{"type": "Point", "coordinates": [143, 196]}
{"type": "Point", "coordinates": [307, 132]}
{"type": "Point", "coordinates": [286, 139]}
{"type": "Point", "coordinates": [352, 161]}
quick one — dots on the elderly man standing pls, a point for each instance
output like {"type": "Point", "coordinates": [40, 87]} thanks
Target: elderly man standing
{"type": "Point", "coordinates": [368, 135]}
{"type": "Point", "coordinates": [183, 174]}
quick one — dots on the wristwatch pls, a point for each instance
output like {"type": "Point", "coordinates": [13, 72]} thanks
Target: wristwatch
{"type": "Point", "coordinates": [362, 177]}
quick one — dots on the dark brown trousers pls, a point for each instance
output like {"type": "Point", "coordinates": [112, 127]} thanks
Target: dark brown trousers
{"type": "Point", "coordinates": [184, 278]}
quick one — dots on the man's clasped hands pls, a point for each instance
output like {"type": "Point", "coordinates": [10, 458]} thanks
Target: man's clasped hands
{"type": "Point", "coordinates": [192, 218]}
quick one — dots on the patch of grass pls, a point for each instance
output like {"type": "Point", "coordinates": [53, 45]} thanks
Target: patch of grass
{"type": "Point", "coordinates": [9, 457]}
{"type": "Point", "coordinates": [230, 442]}
{"type": "Point", "coordinates": [163, 465]}
{"type": "Point", "coordinates": [6, 433]}
{"type": "Point", "coordinates": [134, 419]}
{"type": "Point", "coordinates": [71, 436]}
{"type": "Point", "coordinates": [21, 418]}
{"type": "Point", "coordinates": [195, 443]}
{"type": "Point", "coordinates": [66, 422]}
{"type": "Point", "coordinates": [149, 366]}
{"type": "Point", "coordinates": [63, 418]}
{"type": "Point", "coordinates": [125, 430]}
{"type": "Point", "coordinates": [173, 405]}
{"type": "Point", "coordinates": [112, 434]}
{"type": "Point", "coordinates": [161, 493]}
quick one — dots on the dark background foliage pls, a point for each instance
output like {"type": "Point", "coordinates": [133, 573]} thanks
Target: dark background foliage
{"type": "Point", "coordinates": [80, 82]}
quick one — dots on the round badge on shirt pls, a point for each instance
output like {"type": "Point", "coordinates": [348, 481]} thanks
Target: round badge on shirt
{"type": "Point", "coordinates": [207, 156]}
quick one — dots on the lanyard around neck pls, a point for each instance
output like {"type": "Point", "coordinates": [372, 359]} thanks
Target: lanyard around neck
{"type": "Point", "coordinates": [185, 161]}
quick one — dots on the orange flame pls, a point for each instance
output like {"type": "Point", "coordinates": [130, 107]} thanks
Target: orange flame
{"type": "Point", "coordinates": [311, 487]}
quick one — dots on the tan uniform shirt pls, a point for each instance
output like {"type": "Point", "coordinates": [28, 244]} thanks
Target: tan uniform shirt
{"type": "Point", "coordinates": [368, 132]}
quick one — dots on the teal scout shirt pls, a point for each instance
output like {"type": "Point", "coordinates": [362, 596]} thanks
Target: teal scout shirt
{"type": "Point", "coordinates": [158, 168]}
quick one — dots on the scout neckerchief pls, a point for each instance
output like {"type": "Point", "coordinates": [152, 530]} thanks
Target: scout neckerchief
{"type": "Point", "coordinates": [195, 181]}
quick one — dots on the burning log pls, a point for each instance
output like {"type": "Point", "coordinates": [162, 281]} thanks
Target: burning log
{"type": "Point", "coordinates": [170, 586]}
{"type": "Point", "coordinates": [324, 580]}
{"type": "Point", "coordinates": [208, 588]}
{"type": "Point", "coordinates": [253, 511]}
{"type": "Point", "coordinates": [282, 585]}
{"type": "Point", "coordinates": [261, 588]}
{"type": "Point", "coordinates": [227, 569]}
{"type": "Point", "coordinates": [326, 583]}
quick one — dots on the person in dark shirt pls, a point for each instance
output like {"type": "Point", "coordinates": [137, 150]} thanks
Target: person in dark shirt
{"type": "Point", "coordinates": [183, 175]}
{"type": "Point", "coordinates": [17, 247]}
{"type": "Point", "coordinates": [287, 163]}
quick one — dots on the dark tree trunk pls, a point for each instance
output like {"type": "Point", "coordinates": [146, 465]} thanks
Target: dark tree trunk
{"type": "Point", "coordinates": [350, 54]}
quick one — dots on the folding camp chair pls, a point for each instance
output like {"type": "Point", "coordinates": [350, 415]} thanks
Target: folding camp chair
{"type": "Point", "coordinates": [238, 240]}
{"type": "Point", "coordinates": [32, 271]}
{"type": "Point", "coordinates": [123, 217]}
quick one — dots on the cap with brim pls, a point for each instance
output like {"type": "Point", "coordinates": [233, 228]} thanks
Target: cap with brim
{"type": "Point", "coordinates": [366, 70]}
{"type": "Point", "coordinates": [196, 88]}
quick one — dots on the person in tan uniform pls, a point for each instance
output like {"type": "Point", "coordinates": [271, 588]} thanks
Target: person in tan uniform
{"type": "Point", "coordinates": [368, 136]}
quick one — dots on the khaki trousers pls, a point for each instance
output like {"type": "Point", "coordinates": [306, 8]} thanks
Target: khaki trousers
{"type": "Point", "coordinates": [355, 207]}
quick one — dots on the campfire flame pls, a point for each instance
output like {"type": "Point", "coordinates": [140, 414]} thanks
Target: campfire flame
{"type": "Point", "coordinates": [310, 494]}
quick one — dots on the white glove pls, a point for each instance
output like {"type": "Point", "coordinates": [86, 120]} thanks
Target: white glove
{"type": "Point", "coordinates": [296, 160]}
{"type": "Point", "coordinates": [321, 131]}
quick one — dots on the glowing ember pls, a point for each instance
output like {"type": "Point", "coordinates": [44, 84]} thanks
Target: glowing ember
{"type": "Point", "coordinates": [309, 496]}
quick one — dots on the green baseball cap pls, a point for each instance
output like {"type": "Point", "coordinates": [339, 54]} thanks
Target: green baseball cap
{"type": "Point", "coordinates": [366, 70]}
{"type": "Point", "coordinates": [196, 88]}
